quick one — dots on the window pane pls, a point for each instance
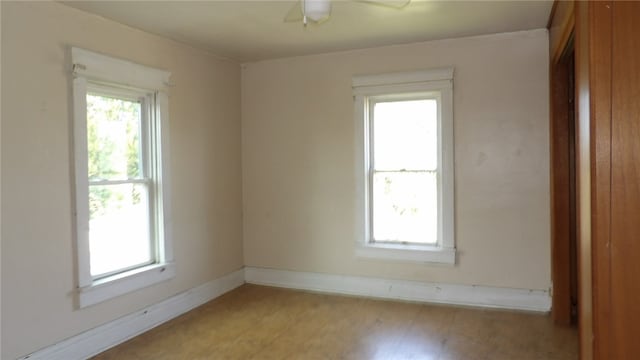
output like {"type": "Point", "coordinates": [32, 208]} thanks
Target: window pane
{"type": "Point", "coordinates": [113, 138]}
{"type": "Point", "coordinates": [405, 207]}
{"type": "Point", "coordinates": [405, 135]}
{"type": "Point", "coordinates": [118, 227]}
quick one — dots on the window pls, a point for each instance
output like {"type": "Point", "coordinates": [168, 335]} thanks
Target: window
{"type": "Point", "coordinates": [122, 192]}
{"type": "Point", "coordinates": [405, 166]}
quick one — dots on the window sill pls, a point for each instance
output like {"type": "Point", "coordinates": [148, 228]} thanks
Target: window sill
{"type": "Point", "coordinates": [120, 284]}
{"type": "Point", "coordinates": [413, 253]}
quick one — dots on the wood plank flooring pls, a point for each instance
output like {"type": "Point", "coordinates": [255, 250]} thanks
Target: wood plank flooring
{"type": "Point", "coordinates": [262, 323]}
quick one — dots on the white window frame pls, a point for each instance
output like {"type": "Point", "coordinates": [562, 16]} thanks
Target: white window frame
{"type": "Point", "coordinates": [93, 70]}
{"type": "Point", "coordinates": [433, 83]}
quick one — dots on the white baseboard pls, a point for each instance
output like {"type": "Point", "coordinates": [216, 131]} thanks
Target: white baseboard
{"type": "Point", "coordinates": [467, 295]}
{"type": "Point", "coordinates": [101, 338]}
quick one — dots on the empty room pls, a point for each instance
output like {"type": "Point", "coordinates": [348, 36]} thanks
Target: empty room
{"type": "Point", "coordinates": [320, 179]}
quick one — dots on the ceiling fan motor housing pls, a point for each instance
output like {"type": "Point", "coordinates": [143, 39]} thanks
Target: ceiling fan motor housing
{"type": "Point", "coordinates": [316, 10]}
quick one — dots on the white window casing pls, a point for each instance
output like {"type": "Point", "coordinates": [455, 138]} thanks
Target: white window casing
{"type": "Point", "coordinates": [434, 83]}
{"type": "Point", "coordinates": [96, 71]}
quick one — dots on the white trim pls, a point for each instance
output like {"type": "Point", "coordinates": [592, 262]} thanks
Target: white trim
{"type": "Point", "coordinates": [122, 283]}
{"type": "Point", "coordinates": [96, 66]}
{"type": "Point", "coordinates": [414, 253]}
{"type": "Point", "coordinates": [416, 87]}
{"type": "Point", "coordinates": [103, 337]}
{"type": "Point", "coordinates": [446, 174]}
{"type": "Point", "coordinates": [163, 161]}
{"type": "Point", "coordinates": [105, 74]}
{"type": "Point", "coordinates": [466, 295]}
{"type": "Point", "coordinates": [436, 83]}
{"type": "Point", "coordinates": [403, 77]}
{"type": "Point", "coordinates": [82, 181]}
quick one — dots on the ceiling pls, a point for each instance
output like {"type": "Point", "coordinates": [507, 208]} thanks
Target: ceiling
{"type": "Point", "coordinates": [255, 30]}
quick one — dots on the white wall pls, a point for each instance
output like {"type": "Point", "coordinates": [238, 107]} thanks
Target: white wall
{"type": "Point", "coordinates": [297, 164]}
{"type": "Point", "coordinates": [298, 160]}
{"type": "Point", "coordinates": [38, 275]}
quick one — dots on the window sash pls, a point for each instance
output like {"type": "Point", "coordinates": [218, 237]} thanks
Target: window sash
{"type": "Point", "coordinates": [153, 240]}
{"type": "Point", "coordinates": [146, 101]}
{"type": "Point", "coordinates": [405, 171]}
{"type": "Point", "coordinates": [147, 104]}
{"type": "Point", "coordinates": [122, 270]}
{"type": "Point", "coordinates": [371, 101]}
{"type": "Point", "coordinates": [147, 162]}
{"type": "Point", "coordinates": [372, 207]}
{"type": "Point", "coordinates": [121, 182]}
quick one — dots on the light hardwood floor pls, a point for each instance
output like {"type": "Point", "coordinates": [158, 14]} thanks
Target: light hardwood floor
{"type": "Point", "coordinates": [257, 322]}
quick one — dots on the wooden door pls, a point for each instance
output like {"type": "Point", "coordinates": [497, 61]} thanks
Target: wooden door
{"type": "Point", "coordinates": [612, 35]}
{"type": "Point", "coordinates": [625, 181]}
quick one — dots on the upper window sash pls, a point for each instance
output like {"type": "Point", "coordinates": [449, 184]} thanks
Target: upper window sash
{"type": "Point", "coordinates": [372, 101]}
{"type": "Point", "coordinates": [117, 91]}
{"type": "Point", "coordinates": [147, 100]}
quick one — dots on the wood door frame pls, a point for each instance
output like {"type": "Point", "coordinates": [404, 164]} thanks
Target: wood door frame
{"type": "Point", "coordinates": [561, 29]}
{"type": "Point", "coordinates": [584, 188]}
{"type": "Point", "coordinates": [592, 28]}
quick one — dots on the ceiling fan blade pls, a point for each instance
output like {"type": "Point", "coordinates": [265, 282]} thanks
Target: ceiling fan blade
{"type": "Point", "coordinates": [295, 14]}
{"type": "Point", "coordinates": [396, 4]}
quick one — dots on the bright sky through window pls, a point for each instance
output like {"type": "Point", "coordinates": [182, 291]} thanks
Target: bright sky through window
{"type": "Point", "coordinates": [119, 226]}
{"type": "Point", "coordinates": [404, 171]}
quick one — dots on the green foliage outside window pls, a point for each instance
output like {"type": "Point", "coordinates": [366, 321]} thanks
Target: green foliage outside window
{"type": "Point", "coordinates": [113, 143]}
